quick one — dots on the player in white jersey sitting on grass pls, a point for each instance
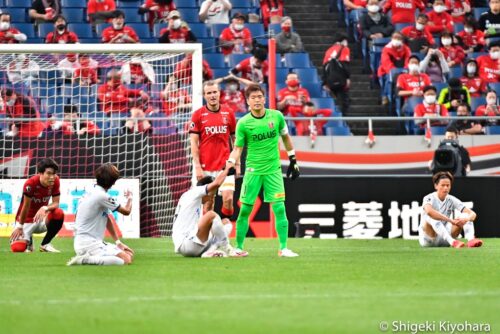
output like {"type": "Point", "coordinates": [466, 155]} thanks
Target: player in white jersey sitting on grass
{"type": "Point", "coordinates": [202, 234]}
{"type": "Point", "coordinates": [92, 219]}
{"type": "Point", "coordinates": [438, 227]}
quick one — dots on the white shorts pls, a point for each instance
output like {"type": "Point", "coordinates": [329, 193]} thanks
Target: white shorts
{"type": "Point", "coordinates": [98, 248]}
{"type": "Point", "coordinates": [194, 247]}
{"type": "Point", "coordinates": [30, 228]}
{"type": "Point", "coordinates": [438, 241]}
{"type": "Point", "coordinates": [228, 184]}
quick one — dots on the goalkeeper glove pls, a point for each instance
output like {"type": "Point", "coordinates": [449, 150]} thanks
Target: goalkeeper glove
{"type": "Point", "coordinates": [293, 168]}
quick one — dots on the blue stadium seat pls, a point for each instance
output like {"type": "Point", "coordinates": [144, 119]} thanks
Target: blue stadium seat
{"type": "Point", "coordinates": [412, 103]}
{"type": "Point", "coordinates": [493, 130]}
{"type": "Point", "coordinates": [215, 60]}
{"type": "Point", "coordinates": [220, 72]}
{"type": "Point", "coordinates": [242, 3]}
{"type": "Point", "coordinates": [455, 72]}
{"type": "Point", "coordinates": [323, 103]}
{"type": "Point", "coordinates": [257, 29]}
{"type": "Point", "coordinates": [401, 26]}
{"type": "Point", "coordinates": [44, 29]}
{"type": "Point", "coordinates": [307, 74]}
{"type": "Point", "coordinates": [82, 30]}
{"type": "Point", "coordinates": [35, 40]}
{"type": "Point", "coordinates": [338, 131]}
{"type": "Point", "coordinates": [297, 60]}
{"type": "Point", "coordinates": [186, 3]}
{"type": "Point", "coordinates": [208, 44]}
{"type": "Point", "coordinates": [334, 124]}
{"type": "Point", "coordinates": [99, 28]}
{"type": "Point", "coordinates": [475, 55]}
{"type": "Point", "coordinates": [263, 41]}
{"type": "Point", "coordinates": [141, 29]}
{"type": "Point", "coordinates": [157, 28]}
{"type": "Point", "coordinates": [26, 28]}
{"type": "Point", "coordinates": [217, 28]}
{"type": "Point", "coordinates": [314, 88]}
{"type": "Point", "coordinates": [495, 86]}
{"type": "Point", "coordinates": [275, 28]}
{"type": "Point", "coordinates": [129, 4]}
{"type": "Point", "coordinates": [74, 15]}
{"type": "Point", "coordinates": [73, 3]}
{"type": "Point", "coordinates": [131, 15]}
{"type": "Point", "coordinates": [89, 40]}
{"type": "Point", "coordinates": [17, 15]}
{"type": "Point", "coordinates": [199, 30]}
{"type": "Point", "coordinates": [245, 10]}
{"type": "Point", "coordinates": [438, 130]}
{"type": "Point", "coordinates": [2, 4]}
{"type": "Point", "coordinates": [189, 15]}
{"type": "Point", "coordinates": [475, 102]}
{"type": "Point", "coordinates": [18, 3]}
{"type": "Point", "coordinates": [235, 59]}
{"type": "Point", "coordinates": [281, 74]}
{"type": "Point", "coordinates": [458, 27]}
{"type": "Point", "coordinates": [478, 11]}
{"type": "Point", "coordinates": [439, 86]}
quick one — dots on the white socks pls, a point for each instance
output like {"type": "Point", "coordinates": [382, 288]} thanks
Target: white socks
{"type": "Point", "coordinates": [104, 261]}
{"type": "Point", "coordinates": [219, 232]}
{"type": "Point", "coordinates": [469, 232]}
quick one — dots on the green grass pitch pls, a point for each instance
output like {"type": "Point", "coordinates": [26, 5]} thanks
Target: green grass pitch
{"type": "Point", "coordinates": [335, 286]}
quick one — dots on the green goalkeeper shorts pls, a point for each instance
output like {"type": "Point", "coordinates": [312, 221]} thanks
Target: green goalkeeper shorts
{"type": "Point", "coordinates": [274, 188]}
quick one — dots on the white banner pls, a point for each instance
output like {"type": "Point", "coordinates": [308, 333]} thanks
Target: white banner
{"type": "Point", "coordinates": [71, 191]}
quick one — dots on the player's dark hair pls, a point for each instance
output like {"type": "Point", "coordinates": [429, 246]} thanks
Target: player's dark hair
{"type": "Point", "coordinates": [442, 175]}
{"type": "Point", "coordinates": [260, 54]}
{"type": "Point", "coordinates": [43, 164]}
{"type": "Point", "coordinates": [254, 88]}
{"type": "Point", "coordinates": [106, 175]}
{"type": "Point", "coordinates": [205, 180]}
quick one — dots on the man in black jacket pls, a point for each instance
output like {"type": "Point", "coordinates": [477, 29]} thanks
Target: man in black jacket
{"type": "Point", "coordinates": [374, 24]}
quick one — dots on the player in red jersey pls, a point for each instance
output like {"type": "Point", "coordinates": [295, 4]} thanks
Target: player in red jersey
{"type": "Point", "coordinates": [211, 130]}
{"type": "Point", "coordinates": [35, 214]}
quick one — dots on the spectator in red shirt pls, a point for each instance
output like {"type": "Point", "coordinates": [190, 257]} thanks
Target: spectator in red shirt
{"type": "Point", "coordinates": [137, 72]}
{"type": "Point", "coordinates": [118, 99]}
{"type": "Point", "coordinates": [339, 50]}
{"type": "Point", "coordinates": [412, 83]}
{"type": "Point", "coordinates": [73, 125]}
{"type": "Point", "coordinates": [254, 68]}
{"type": "Point", "coordinates": [158, 10]}
{"type": "Point", "coordinates": [9, 34]}
{"type": "Point", "coordinates": [471, 37]}
{"type": "Point", "coordinates": [490, 109]}
{"type": "Point", "coordinates": [418, 37]}
{"type": "Point", "coordinates": [291, 99]}
{"type": "Point", "coordinates": [429, 108]}
{"type": "Point", "coordinates": [394, 55]}
{"type": "Point", "coordinates": [439, 20]}
{"type": "Point", "coordinates": [20, 106]}
{"type": "Point", "coordinates": [355, 8]}
{"type": "Point", "coordinates": [272, 11]}
{"type": "Point", "coordinates": [304, 128]}
{"type": "Point", "coordinates": [61, 34]}
{"type": "Point", "coordinates": [232, 96]}
{"type": "Point", "coordinates": [489, 69]}
{"type": "Point", "coordinates": [454, 54]}
{"type": "Point", "coordinates": [118, 32]}
{"type": "Point", "coordinates": [137, 122]}
{"type": "Point", "coordinates": [100, 11]}
{"type": "Point", "coordinates": [183, 70]}
{"type": "Point", "coordinates": [403, 11]}
{"type": "Point", "coordinates": [236, 38]}
{"type": "Point", "coordinates": [177, 31]}
{"type": "Point", "coordinates": [472, 80]}
{"type": "Point", "coordinates": [459, 9]}
{"type": "Point", "coordinates": [86, 73]}
{"type": "Point", "coordinates": [175, 99]}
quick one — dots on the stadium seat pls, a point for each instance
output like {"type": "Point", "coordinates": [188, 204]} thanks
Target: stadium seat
{"type": "Point", "coordinates": [186, 3]}
{"type": "Point", "coordinates": [412, 103]}
{"type": "Point", "coordinates": [215, 59]}
{"type": "Point", "coordinates": [129, 4]}
{"type": "Point", "coordinates": [17, 15]}
{"type": "Point", "coordinates": [438, 130]}
{"type": "Point", "coordinates": [275, 28]}
{"type": "Point", "coordinates": [338, 131]}
{"type": "Point", "coordinates": [455, 72]}
{"type": "Point", "coordinates": [157, 28]}
{"type": "Point", "coordinates": [83, 30]}
{"type": "Point", "coordinates": [44, 29]}
{"type": "Point", "coordinates": [242, 3]}
{"type": "Point", "coordinates": [208, 44]}
{"type": "Point", "coordinates": [263, 41]}
{"type": "Point", "coordinates": [297, 60]}
{"type": "Point", "coordinates": [18, 3]}
{"type": "Point", "coordinates": [217, 28]}
{"type": "Point", "coordinates": [439, 86]}
{"type": "Point", "coordinates": [189, 15]}
{"type": "Point", "coordinates": [73, 3]}
{"type": "Point", "coordinates": [475, 102]}
{"type": "Point", "coordinates": [141, 29]}
{"type": "Point", "coordinates": [90, 40]}
{"type": "Point", "coordinates": [199, 30]}
{"type": "Point", "coordinates": [495, 86]}
{"type": "Point", "coordinates": [307, 74]}
{"type": "Point", "coordinates": [493, 130]}
{"type": "Point", "coordinates": [73, 15]}
{"type": "Point", "coordinates": [475, 55]}
{"type": "Point", "coordinates": [478, 11]}
{"type": "Point", "coordinates": [314, 88]}
{"type": "Point", "coordinates": [281, 74]}
{"type": "Point", "coordinates": [401, 26]}
{"type": "Point", "coordinates": [131, 15]}
{"type": "Point", "coordinates": [26, 28]}
{"type": "Point", "coordinates": [334, 124]}
{"type": "Point", "coordinates": [235, 59]}
{"type": "Point", "coordinates": [323, 103]}
{"type": "Point", "coordinates": [99, 28]}
{"type": "Point", "coordinates": [458, 27]}
{"type": "Point", "coordinates": [257, 29]}
{"type": "Point", "coordinates": [220, 72]}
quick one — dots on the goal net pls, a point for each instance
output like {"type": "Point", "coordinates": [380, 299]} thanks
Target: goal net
{"type": "Point", "coordinates": [85, 105]}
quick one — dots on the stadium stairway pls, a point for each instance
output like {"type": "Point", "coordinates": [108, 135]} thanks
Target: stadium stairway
{"type": "Point", "coordinates": [317, 27]}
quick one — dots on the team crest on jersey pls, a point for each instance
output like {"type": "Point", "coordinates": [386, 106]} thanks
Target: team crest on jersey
{"type": "Point", "coordinates": [28, 189]}
{"type": "Point", "coordinates": [191, 126]}
{"type": "Point", "coordinates": [271, 125]}
{"type": "Point", "coordinates": [224, 119]}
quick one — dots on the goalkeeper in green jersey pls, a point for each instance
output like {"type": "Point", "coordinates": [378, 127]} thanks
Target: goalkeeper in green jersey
{"type": "Point", "coordinates": [260, 131]}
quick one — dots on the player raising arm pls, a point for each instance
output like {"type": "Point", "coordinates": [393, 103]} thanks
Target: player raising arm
{"type": "Point", "coordinates": [260, 131]}
{"type": "Point", "coordinates": [92, 218]}
{"type": "Point", "coordinates": [35, 214]}
{"type": "Point", "coordinates": [438, 228]}
{"type": "Point", "coordinates": [197, 234]}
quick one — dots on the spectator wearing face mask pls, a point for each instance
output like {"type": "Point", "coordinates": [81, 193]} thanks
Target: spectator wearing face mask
{"type": "Point", "coordinates": [9, 34]}
{"type": "Point", "coordinates": [490, 109]}
{"type": "Point", "coordinates": [435, 66]}
{"type": "Point", "coordinates": [21, 106]}
{"type": "Point", "coordinates": [215, 11]}
{"type": "Point", "coordinates": [86, 73]}
{"type": "Point", "coordinates": [288, 41]}
{"type": "Point", "coordinates": [100, 11]}
{"type": "Point", "coordinates": [255, 68]}
{"type": "Point", "coordinates": [72, 124]}
{"type": "Point", "coordinates": [61, 34]}
{"type": "Point", "coordinates": [453, 95]}
{"type": "Point", "coordinates": [419, 38]}
{"type": "Point", "coordinates": [236, 38]}
{"type": "Point", "coordinates": [339, 50]}
{"type": "Point", "coordinates": [472, 80]}
{"type": "Point", "coordinates": [43, 11]}
{"type": "Point", "coordinates": [429, 108]}
{"type": "Point", "coordinates": [394, 55]}
{"type": "Point", "coordinates": [177, 31]}
{"type": "Point", "coordinates": [375, 24]}
{"type": "Point", "coordinates": [118, 32]}
{"type": "Point", "coordinates": [472, 38]}
{"type": "Point", "coordinates": [489, 22]}
{"type": "Point", "coordinates": [157, 10]}
{"type": "Point", "coordinates": [412, 83]}
{"type": "Point", "coordinates": [175, 99]}
{"type": "Point", "coordinates": [466, 126]}
{"type": "Point", "coordinates": [459, 9]}
{"type": "Point", "coordinates": [292, 98]}
{"type": "Point", "coordinates": [489, 69]}
{"type": "Point", "coordinates": [454, 54]}
{"type": "Point", "coordinates": [232, 96]}
{"type": "Point", "coordinates": [439, 20]}
{"type": "Point", "coordinates": [403, 11]}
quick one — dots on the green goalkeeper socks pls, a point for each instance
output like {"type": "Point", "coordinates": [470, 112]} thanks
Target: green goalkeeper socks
{"type": "Point", "coordinates": [281, 223]}
{"type": "Point", "coordinates": [242, 224]}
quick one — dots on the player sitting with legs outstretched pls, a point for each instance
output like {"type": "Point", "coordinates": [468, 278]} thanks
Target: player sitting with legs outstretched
{"type": "Point", "coordinates": [438, 228]}
{"type": "Point", "coordinates": [202, 234]}
{"type": "Point", "coordinates": [92, 219]}
{"type": "Point", "coordinates": [35, 214]}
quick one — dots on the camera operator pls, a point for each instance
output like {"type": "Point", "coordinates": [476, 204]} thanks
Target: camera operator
{"type": "Point", "coordinates": [450, 156]}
